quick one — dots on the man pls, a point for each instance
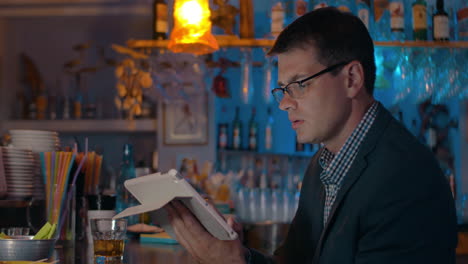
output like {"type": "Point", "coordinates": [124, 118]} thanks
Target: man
{"type": "Point", "coordinates": [373, 193]}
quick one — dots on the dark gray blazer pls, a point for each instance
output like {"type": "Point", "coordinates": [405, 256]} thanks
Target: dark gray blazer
{"type": "Point", "coordinates": [394, 206]}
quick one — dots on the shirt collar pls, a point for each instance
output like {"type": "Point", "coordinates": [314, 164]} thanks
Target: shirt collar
{"type": "Point", "coordinates": [326, 157]}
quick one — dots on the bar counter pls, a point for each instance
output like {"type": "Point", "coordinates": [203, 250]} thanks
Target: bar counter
{"type": "Point", "coordinates": [136, 253]}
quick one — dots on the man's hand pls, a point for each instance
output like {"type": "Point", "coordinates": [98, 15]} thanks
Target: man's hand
{"type": "Point", "coordinates": [199, 243]}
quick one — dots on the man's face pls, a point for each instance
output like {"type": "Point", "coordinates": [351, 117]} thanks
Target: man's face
{"type": "Point", "coordinates": [319, 114]}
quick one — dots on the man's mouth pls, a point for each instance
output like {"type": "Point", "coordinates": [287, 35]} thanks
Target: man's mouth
{"type": "Point", "coordinates": [296, 123]}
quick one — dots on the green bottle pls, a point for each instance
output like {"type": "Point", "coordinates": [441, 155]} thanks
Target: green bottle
{"type": "Point", "coordinates": [237, 131]}
{"type": "Point", "coordinates": [420, 20]}
{"type": "Point", "coordinates": [253, 132]}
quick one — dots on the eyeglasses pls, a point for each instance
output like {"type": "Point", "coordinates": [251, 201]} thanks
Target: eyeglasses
{"type": "Point", "coordinates": [296, 89]}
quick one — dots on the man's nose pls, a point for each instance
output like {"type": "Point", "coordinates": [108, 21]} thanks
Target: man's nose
{"type": "Point", "coordinates": [287, 103]}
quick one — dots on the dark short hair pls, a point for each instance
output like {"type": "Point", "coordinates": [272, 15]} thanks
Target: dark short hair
{"type": "Point", "coordinates": [338, 36]}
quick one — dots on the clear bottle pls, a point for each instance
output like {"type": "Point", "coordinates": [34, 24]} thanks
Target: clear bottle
{"type": "Point", "coordinates": [253, 132]}
{"type": "Point", "coordinates": [160, 20]}
{"type": "Point", "coordinates": [269, 131]}
{"type": "Point", "coordinates": [223, 132]}
{"type": "Point", "coordinates": [440, 21]}
{"type": "Point", "coordinates": [222, 136]}
{"type": "Point", "coordinates": [419, 20]}
{"type": "Point", "coordinates": [363, 12]}
{"type": "Point", "coordinates": [397, 19]}
{"type": "Point", "coordinates": [277, 18]}
{"type": "Point", "coordinates": [127, 172]}
{"type": "Point", "coordinates": [236, 131]}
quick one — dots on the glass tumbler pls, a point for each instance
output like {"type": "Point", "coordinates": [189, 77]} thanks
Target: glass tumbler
{"type": "Point", "coordinates": [108, 239]}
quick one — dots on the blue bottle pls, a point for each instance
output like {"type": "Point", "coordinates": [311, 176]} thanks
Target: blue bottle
{"type": "Point", "coordinates": [127, 172]}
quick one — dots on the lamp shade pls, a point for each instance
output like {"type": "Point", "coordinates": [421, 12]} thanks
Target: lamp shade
{"type": "Point", "coordinates": [192, 28]}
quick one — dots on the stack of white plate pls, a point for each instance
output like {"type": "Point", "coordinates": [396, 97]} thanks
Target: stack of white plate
{"type": "Point", "coordinates": [35, 140]}
{"type": "Point", "coordinates": [20, 166]}
{"type": "Point", "coordinates": [39, 190]}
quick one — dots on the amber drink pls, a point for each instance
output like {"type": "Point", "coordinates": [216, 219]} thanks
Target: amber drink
{"type": "Point", "coordinates": [108, 239]}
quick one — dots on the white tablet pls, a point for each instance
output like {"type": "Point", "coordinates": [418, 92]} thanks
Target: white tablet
{"type": "Point", "coordinates": [156, 190]}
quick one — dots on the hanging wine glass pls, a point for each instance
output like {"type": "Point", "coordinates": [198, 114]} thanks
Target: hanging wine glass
{"type": "Point", "coordinates": [268, 83]}
{"type": "Point", "coordinates": [423, 78]}
{"type": "Point", "coordinates": [402, 78]}
{"type": "Point", "coordinates": [247, 88]}
{"type": "Point", "coordinates": [166, 80]}
{"type": "Point", "coordinates": [448, 79]}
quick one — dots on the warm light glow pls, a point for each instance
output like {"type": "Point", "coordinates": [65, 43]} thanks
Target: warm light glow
{"type": "Point", "coordinates": [192, 28]}
{"type": "Point", "coordinates": [191, 13]}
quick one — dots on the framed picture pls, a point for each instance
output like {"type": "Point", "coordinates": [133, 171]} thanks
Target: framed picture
{"type": "Point", "coordinates": [186, 121]}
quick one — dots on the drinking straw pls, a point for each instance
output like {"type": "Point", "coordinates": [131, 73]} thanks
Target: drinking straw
{"type": "Point", "coordinates": [69, 159]}
{"type": "Point", "coordinates": [89, 172]}
{"type": "Point", "coordinates": [75, 176]}
{"type": "Point", "coordinates": [51, 184]}
{"type": "Point", "coordinates": [97, 172]}
{"type": "Point", "coordinates": [61, 184]}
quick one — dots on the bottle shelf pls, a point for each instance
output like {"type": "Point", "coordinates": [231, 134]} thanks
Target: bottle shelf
{"type": "Point", "coordinates": [69, 8]}
{"type": "Point", "coordinates": [92, 126]}
{"type": "Point", "coordinates": [423, 44]}
{"type": "Point", "coordinates": [265, 43]}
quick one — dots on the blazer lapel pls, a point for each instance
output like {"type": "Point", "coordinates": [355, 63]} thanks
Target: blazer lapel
{"type": "Point", "coordinates": [357, 168]}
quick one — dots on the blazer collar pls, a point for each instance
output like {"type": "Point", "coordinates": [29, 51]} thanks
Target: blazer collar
{"type": "Point", "coordinates": [375, 132]}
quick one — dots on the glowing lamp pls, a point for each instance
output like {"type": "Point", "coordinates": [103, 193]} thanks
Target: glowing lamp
{"type": "Point", "coordinates": [192, 28]}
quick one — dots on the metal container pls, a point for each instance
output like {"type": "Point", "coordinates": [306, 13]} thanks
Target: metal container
{"type": "Point", "coordinates": [25, 248]}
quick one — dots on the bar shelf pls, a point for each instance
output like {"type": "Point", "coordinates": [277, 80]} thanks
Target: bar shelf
{"type": "Point", "coordinates": [83, 125]}
{"type": "Point", "coordinates": [265, 43]}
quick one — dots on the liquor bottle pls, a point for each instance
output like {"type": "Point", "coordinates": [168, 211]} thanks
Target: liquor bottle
{"type": "Point", "coordinates": [253, 132]}
{"type": "Point", "coordinates": [160, 19]}
{"type": "Point", "coordinates": [236, 131]}
{"type": "Point", "coordinates": [420, 20]}
{"type": "Point", "coordinates": [77, 106]}
{"type": "Point", "coordinates": [127, 171]}
{"type": "Point", "coordinates": [363, 12]}
{"type": "Point", "coordinates": [462, 20]}
{"type": "Point", "coordinates": [344, 5]}
{"type": "Point", "coordinates": [381, 22]}
{"type": "Point", "coordinates": [277, 18]}
{"type": "Point", "coordinates": [300, 8]}
{"type": "Point", "coordinates": [41, 104]}
{"type": "Point", "coordinates": [440, 23]}
{"type": "Point", "coordinates": [316, 4]}
{"type": "Point", "coordinates": [269, 131]}
{"type": "Point", "coordinates": [397, 20]}
{"type": "Point", "coordinates": [222, 136]}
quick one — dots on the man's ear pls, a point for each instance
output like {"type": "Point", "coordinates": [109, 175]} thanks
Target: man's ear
{"type": "Point", "coordinates": [354, 79]}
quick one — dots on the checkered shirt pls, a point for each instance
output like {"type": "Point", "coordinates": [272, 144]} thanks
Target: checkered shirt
{"type": "Point", "coordinates": [336, 166]}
